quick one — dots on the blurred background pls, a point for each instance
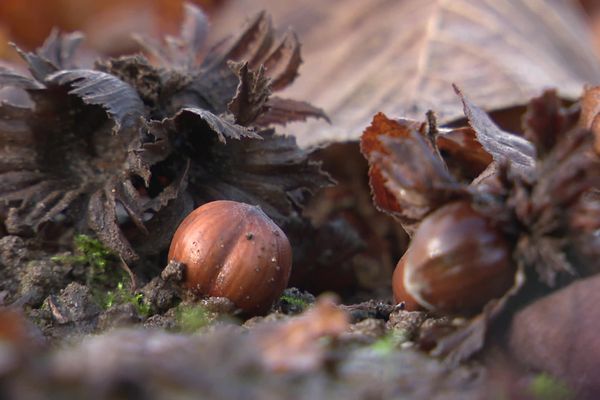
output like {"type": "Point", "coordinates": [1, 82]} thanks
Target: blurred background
{"type": "Point", "coordinates": [361, 57]}
{"type": "Point", "coordinates": [107, 24]}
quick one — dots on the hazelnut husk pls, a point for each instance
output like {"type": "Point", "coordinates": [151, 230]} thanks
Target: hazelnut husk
{"type": "Point", "coordinates": [457, 262]}
{"type": "Point", "coordinates": [233, 250]}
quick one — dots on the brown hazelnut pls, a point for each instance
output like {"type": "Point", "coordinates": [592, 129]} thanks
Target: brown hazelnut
{"type": "Point", "coordinates": [457, 262]}
{"type": "Point", "coordinates": [233, 250]}
{"type": "Point", "coordinates": [400, 294]}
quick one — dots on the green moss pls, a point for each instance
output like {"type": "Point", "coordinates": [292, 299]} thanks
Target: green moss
{"type": "Point", "coordinates": [546, 387]}
{"type": "Point", "coordinates": [98, 259]}
{"type": "Point", "coordinates": [104, 278]}
{"type": "Point", "coordinates": [191, 318]}
{"type": "Point", "coordinates": [296, 301]}
{"type": "Point", "coordinates": [122, 295]}
{"type": "Point", "coordinates": [388, 343]}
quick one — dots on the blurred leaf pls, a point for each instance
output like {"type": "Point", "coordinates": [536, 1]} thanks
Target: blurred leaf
{"type": "Point", "coordinates": [107, 24]}
{"type": "Point", "coordinates": [295, 345]}
{"type": "Point", "coordinates": [544, 121]}
{"type": "Point", "coordinates": [180, 51]}
{"type": "Point", "coordinates": [590, 109]}
{"type": "Point", "coordinates": [401, 57]}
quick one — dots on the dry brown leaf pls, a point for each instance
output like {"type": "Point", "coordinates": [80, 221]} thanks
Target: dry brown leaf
{"type": "Point", "coordinates": [370, 142]}
{"type": "Point", "coordinates": [501, 145]}
{"type": "Point", "coordinates": [463, 154]}
{"type": "Point", "coordinates": [294, 345]}
{"type": "Point", "coordinates": [545, 121]}
{"type": "Point", "coordinates": [590, 109]}
{"type": "Point", "coordinates": [559, 334]}
{"type": "Point", "coordinates": [401, 57]}
{"type": "Point", "coordinates": [408, 177]}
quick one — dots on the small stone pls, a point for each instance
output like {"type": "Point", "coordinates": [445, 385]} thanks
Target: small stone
{"type": "Point", "coordinates": [369, 328]}
{"type": "Point", "coordinates": [161, 295]}
{"type": "Point", "coordinates": [408, 322]}
{"type": "Point", "coordinates": [74, 304]}
{"type": "Point", "coordinates": [118, 316]}
{"type": "Point", "coordinates": [218, 305]}
{"type": "Point", "coordinates": [40, 278]}
{"type": "Point", "coordinates": [173, 272]}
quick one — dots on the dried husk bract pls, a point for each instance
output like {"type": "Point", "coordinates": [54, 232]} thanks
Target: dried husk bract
{"type": "Point", "coordinates": [540, 190]}
{"type": "Point", "coordinates": [126, 148]}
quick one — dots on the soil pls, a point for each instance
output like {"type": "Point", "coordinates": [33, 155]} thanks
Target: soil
{"type": "Point", "coordinates": [57, 341]}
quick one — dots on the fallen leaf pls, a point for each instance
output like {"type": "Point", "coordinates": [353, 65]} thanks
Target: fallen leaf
{"type": "Point", "coordinates": [294, 345]}
{"type": "Point", "coordinates": [464, 155]}
{"type": "Point", "coordinates": [408, 177]}
{"type": "Point", "coordinates": [559, 334]}
{"type": "Point", "coordinates": [590, 108]}
{"type": "Point", "coordinates": [503, 146]}
{"type": "Point", "coordinates": [401, 57]}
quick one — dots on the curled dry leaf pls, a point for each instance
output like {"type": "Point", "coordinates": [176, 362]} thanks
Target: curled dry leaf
{"type": "Point", "coordinates": [251, 96]}
{"type": "Point", "coordinates": [407, 175]}
{"type": "Point", "coordinates": [119, 99]}
{"type": "Point", "coordinates": [590, 108]}
{"type": "Point", "coordinates": [282, 111]}
{"type": "Point", "coordinates": [294, 346]}
{"type": "Point", "coordinates": [462, 152]}
{"type": "Point", "coordinates": [501, 145]}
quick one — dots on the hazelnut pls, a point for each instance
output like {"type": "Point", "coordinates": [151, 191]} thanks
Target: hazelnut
{"type": "Point", "coordinates": [457, 262]}
{"type": "Point", "coordinates": [233, 250]}
{"type": "Point", "coordinates": [400, 294]}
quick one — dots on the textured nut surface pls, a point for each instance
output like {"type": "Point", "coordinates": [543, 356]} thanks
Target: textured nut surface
{"type": "Point", "coordinates": [233, 250]}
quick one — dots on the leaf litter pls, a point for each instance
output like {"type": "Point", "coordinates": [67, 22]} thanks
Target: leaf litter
{"type": "Point", "coordinates": [150, 138]}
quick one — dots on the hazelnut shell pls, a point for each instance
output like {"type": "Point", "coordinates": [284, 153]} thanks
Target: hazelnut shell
{"type": "Point", "coordinates": [233, 250]}
{"type": "Point", "coordinates": [400, 293]}
{"type": "Point", "coordinates": [457, 261]}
